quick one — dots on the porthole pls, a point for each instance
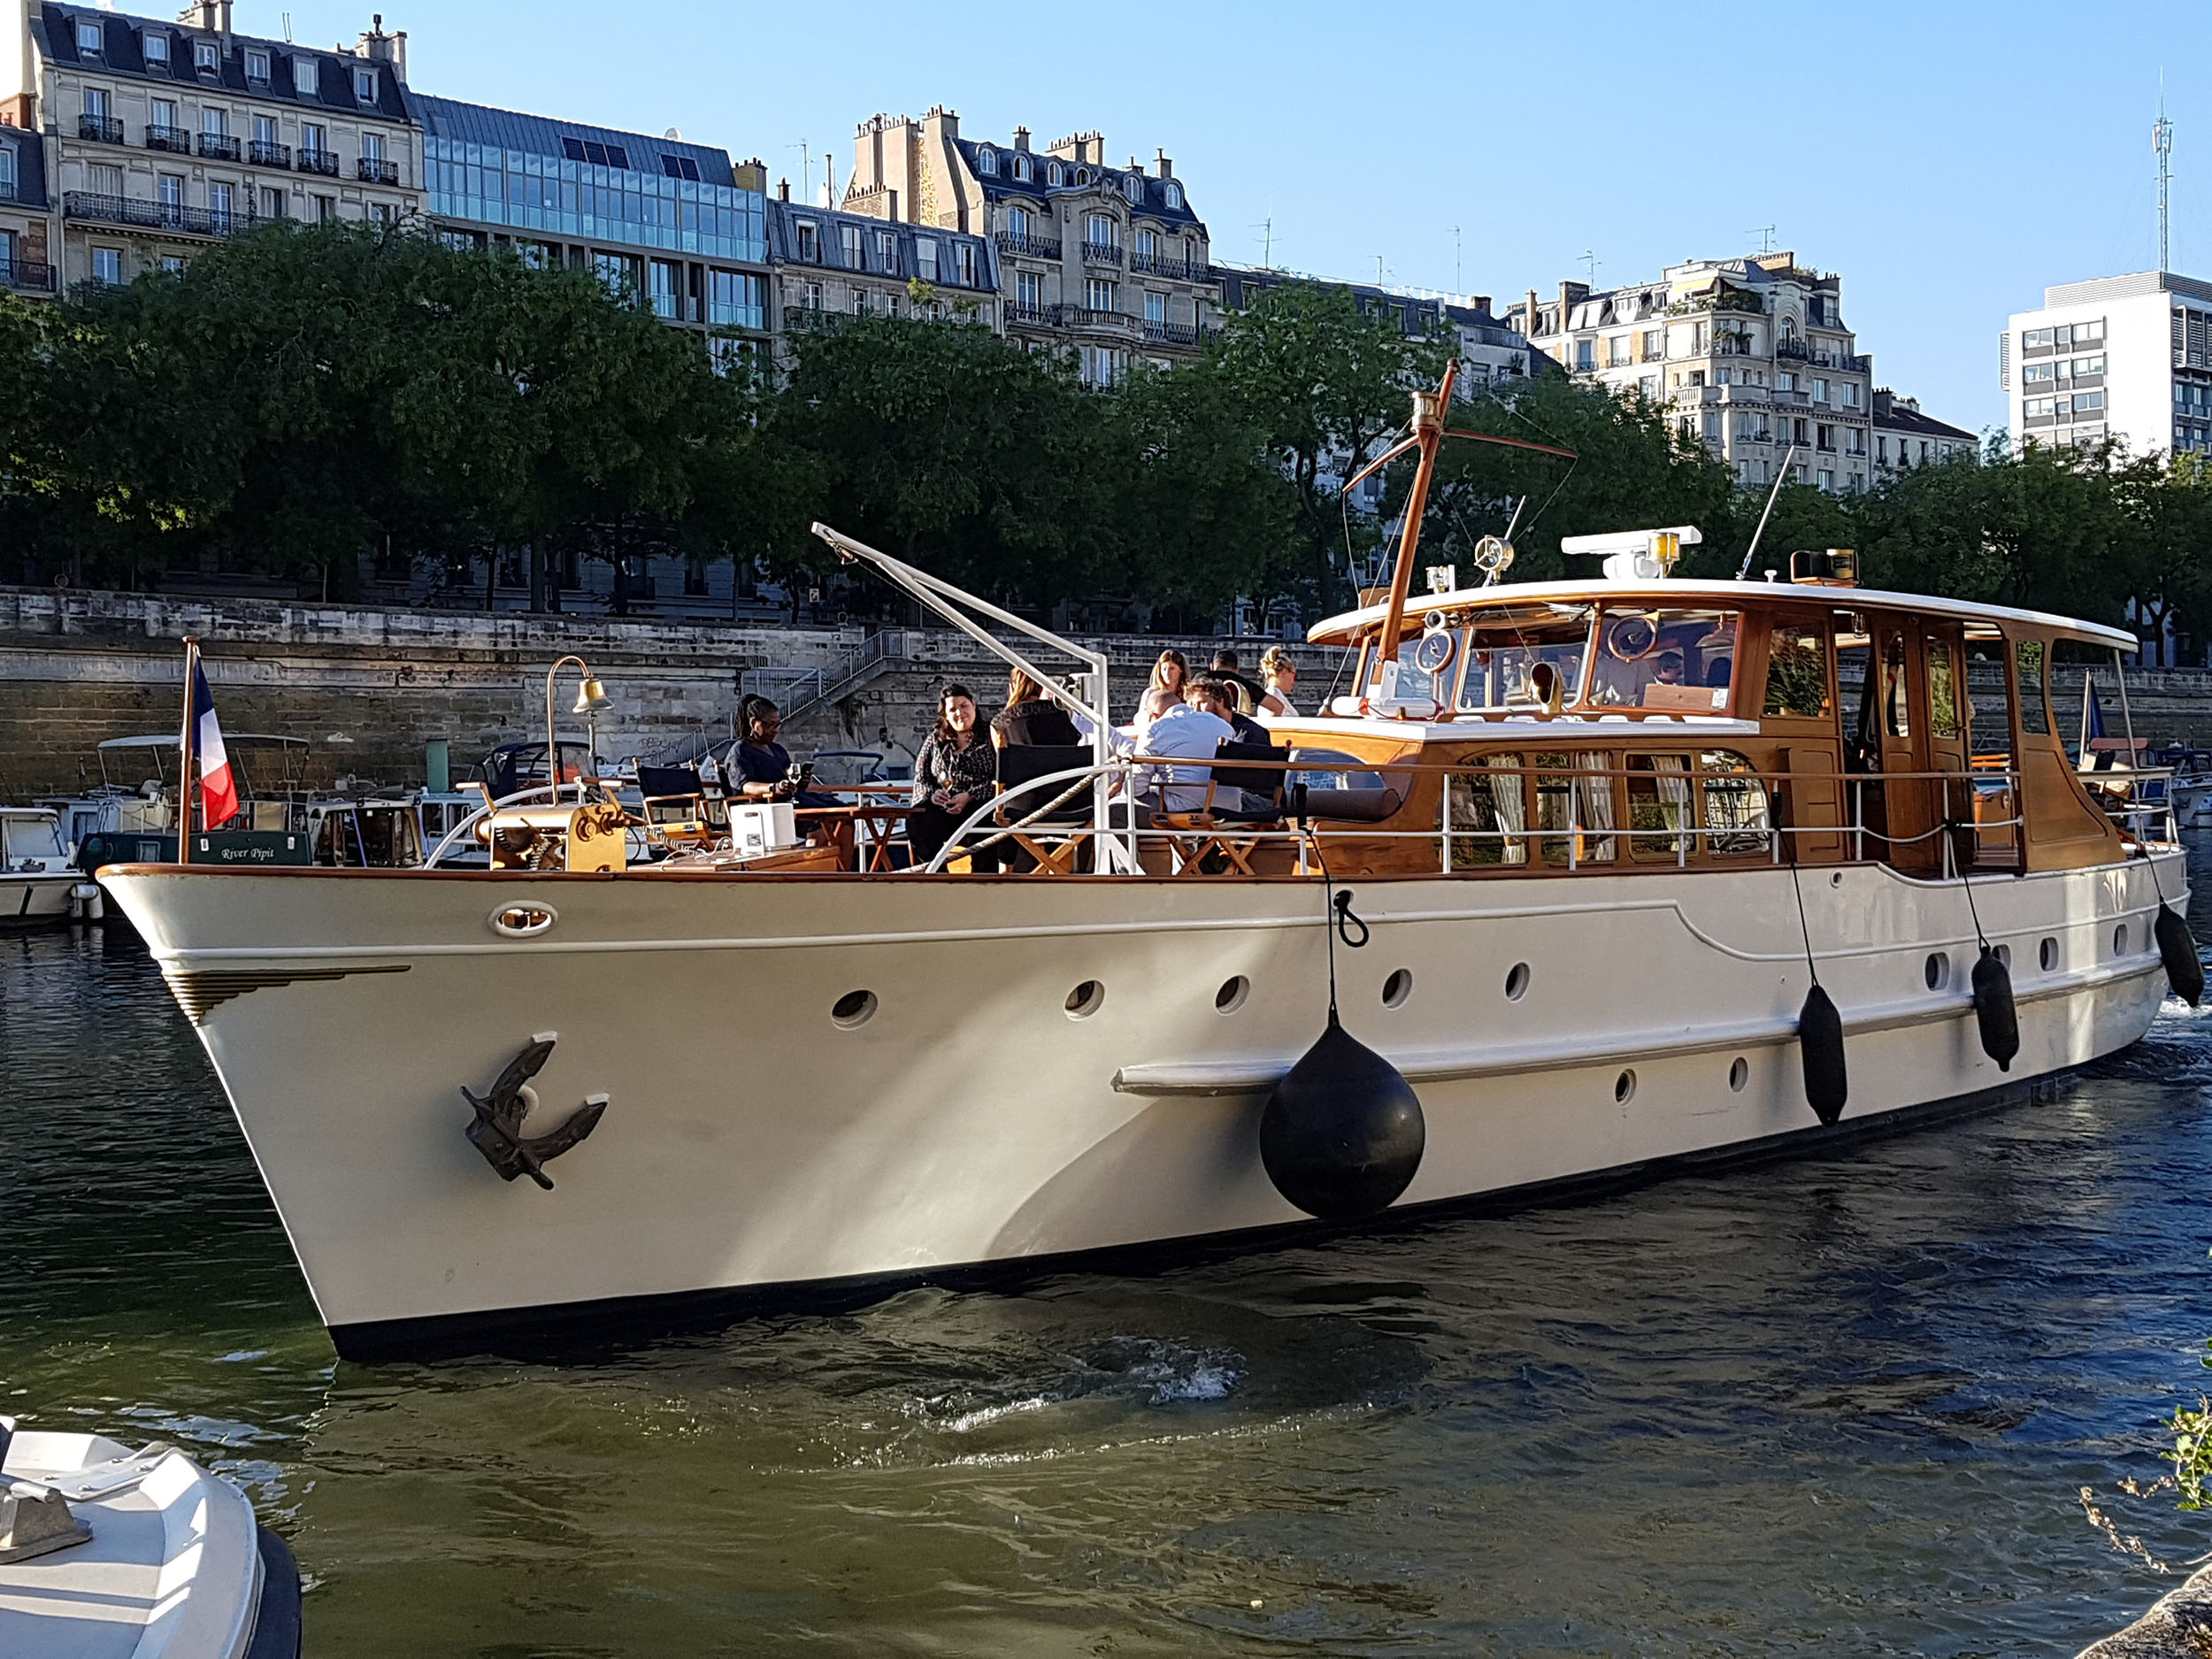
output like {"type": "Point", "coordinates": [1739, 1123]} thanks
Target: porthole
{"type": "Point", "coordinates": [523, 921]}
{"type": "Point", "coordinates": [2120, 939]}
{"type": "Point", "coordinates": [1739, 1074]}
{"type": "Point", "coordinates": [1231, 996]}
{"type": "Point", "coordinates": [1624, 1089]}
{"type": "Point", "coordinates": [1517, 982]}
{"type": "Point", "coordinates": [1937, 969]}
{"type": "Point", "coordinates": [1086, 1000]}
{"type": "Point", "coordinates": [1836, 879]}
{"type": "Point", "coordinates": [1398, 987]}
{"type": "Point", "coordinates": [854, 1008]}
{"type": "Point", "coordinates": [2047, 956]}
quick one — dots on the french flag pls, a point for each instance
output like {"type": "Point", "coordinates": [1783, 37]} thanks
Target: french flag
{"type": "Point", "coordinates": [219, 794]}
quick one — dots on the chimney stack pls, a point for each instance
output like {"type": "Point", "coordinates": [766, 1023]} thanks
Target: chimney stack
{"type": "Point", "coordinates": [783, 189]}
{"type": "Point", "coordinates": [1021, 138]}
{"type": "Point", "coordinates": [378, 46]}
{"type": "Point", "coordinates": [1167, 167]}
{"type": "Point", "coordinates": [212, 15]}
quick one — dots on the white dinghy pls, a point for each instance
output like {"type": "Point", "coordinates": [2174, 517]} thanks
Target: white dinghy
{"type": "Point", "coordinates": [107, 1553]}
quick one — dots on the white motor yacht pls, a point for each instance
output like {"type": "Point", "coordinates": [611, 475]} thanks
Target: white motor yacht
{"type": "Point", "coordinates": [39, 885]}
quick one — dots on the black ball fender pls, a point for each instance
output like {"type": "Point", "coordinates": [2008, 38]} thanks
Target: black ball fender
{"type": "Point", "coordinates": [1994, 1010]}
{"type": "Point", "coordinates": [1820, 1046]}
{"type": "Point", "coordinates": [1341, 1134]}
{"type": "Point", "coordinates": [2178, 947]}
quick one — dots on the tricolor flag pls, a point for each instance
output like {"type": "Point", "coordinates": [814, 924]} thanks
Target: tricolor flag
{"type": "Point", "coordinates": [219, 794]}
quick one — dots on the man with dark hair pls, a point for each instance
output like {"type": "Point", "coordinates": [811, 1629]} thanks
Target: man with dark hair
{"type": "Point", "coordinates": [1242, 693]}
{"type": "Point", "coordinates": [1212, 693]}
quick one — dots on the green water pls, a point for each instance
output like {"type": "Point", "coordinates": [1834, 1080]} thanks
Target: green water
{"type": "Point", "coordinates": [1839, 1406]}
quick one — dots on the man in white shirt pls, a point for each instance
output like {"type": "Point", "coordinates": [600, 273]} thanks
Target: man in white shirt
{"type": "Point", "coordinates": [1190, 730]}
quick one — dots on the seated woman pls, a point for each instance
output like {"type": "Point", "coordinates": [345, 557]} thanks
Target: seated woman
{"type": "Point", "coordinates": [1031, 717]}
{"type": "Point", "coordinates": [1166, 690]}
{"type": "Point", "coordinates": [1281, 675]}
{"type": "Point", "coordinates": [758, 768]}
{"type": "Point", "coordinates": [954, 773]}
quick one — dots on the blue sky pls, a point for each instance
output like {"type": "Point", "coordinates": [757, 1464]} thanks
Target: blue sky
{"type": "Point", "coordinates": [1948, 159]}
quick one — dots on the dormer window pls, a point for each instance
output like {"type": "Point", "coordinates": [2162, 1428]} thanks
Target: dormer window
{"type": "Point", "coordinates": [1173, 192]}
{"type": "Point", "coordinates": [1133, 187]}
{"type": "Point", "coordinates": [207, 58]}
{"type": "Point", "coordinates": [307, 77]}
{"type": "Point", "coordinates": [257, 66]}
{"type": "Point", "coordinates": [987, 162]}
{"type": "Point", "coordinates": [157, 50]}
{"type": "Point", "coordinates": [809, 241]}
{"type": "Point", "coordinates": [90, 39]}
{"type": "Point", "coordinates": [1082, 175]}
{"type": "Point", "coordinates": [365, 85]}
{"type": "Point", "coordinates": [1056, 174]}
{"type": "Point", "coordinates": [1021, 167]}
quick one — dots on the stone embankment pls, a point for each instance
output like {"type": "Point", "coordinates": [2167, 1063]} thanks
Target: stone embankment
{"type": "Point", "coordinates": [368, 687]}
{"type": "Point", "coordinates": [2179, 1626]}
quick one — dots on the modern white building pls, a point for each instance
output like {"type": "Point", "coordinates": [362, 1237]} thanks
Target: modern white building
{"type": "Point", "coordinates": [2123, 357]}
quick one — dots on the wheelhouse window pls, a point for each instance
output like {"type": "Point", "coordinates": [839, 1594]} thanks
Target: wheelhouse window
{"type": "Point", "coordinates": [2030, 657]}
{"type": "Point", "coordinates": [1677, 660]}
{"type": "Point", "coordinates": [1797, 671]}
{"type": "Point", "coordinates": [1524, 661]}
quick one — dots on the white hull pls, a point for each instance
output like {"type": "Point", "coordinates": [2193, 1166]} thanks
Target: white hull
{"type": "Point", "coordinates": [751, 1141]}
{"type": "Point", "coordinates": [36, 901]}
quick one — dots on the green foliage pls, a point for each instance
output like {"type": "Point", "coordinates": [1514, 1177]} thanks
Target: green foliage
{"type": "Point", "coordinates": [2193, 1452]}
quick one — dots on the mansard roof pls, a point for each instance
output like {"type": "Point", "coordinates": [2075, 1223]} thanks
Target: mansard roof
{"type": "Point", "coordinates": [1152, 192]}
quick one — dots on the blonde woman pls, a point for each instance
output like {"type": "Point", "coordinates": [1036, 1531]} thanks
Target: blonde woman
{"type": "Point", "coordinates": [1281, 677]}
{"type": "Point", "coordinates": [1166, 690]}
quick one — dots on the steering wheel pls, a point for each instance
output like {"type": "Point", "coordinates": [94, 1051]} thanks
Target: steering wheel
{"type": "Point", "coordinates": [1492, 555]}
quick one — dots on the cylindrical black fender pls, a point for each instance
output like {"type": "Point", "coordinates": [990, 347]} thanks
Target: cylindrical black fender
{"type": "Point", "coordinates": [2178, 947]}
{"type": "Point", "coordinates": [1342, 1133]}
{"type": "Point", "coordinates": [1820, 1045]}
{"type": "Point", "coordinates": [1994, 1010]}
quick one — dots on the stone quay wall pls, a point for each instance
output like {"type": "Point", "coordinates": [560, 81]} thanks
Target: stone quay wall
{"type": "Point", "coordinates": [368, 687]}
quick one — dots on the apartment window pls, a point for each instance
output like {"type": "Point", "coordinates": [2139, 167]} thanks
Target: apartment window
{"type": "Point", "coordinates": [886, 304]}
{"type": "Point", "coordinates": [987, 162]}
{"type": "Point", "coordinates": [1828, 479]}
{"type": "Point", "coordinates": [365, 85]}
{"type": "Point", "coordinates": [1173, 192]}
{"type": "Point", "coordinates": [809, 241]}
{"type": "Point", "coordinates": [1850, 390]}
{"type": "Point", "coordinates": [1156, 309]}
{"type": "Point", "coordinates": [887, 252]}
{"type": "Point", "coordinates": [1825, 436]}
{"type": "Point", "coordinates": [613, 270]}
{"type": "Point", "coordinates": [849, 236]}
{"type": "Point", "coordinates": [1099, 366]}
{"type": "Point", "coordinates": [856, 300]}
{"type": "Point", "coordinates": [1055, 174]}
{"type": "Point", "coordinates": [1724, 375]}
{"type": "Point", "coordinates": [926, 257]}
{"type": "Point", "coordinates": [814, 296]}
{"type": "Point", "coordinates": [1712, 425]}
{"type": "Point", "coordinates": [1785, 381]}
{"type": "Point", "coordinates": [207, 58]}
{"type": "Point", "coordinates": [1029, 290]}
{"type": "Point", "coordinates": [1585, 354]}
{"type": "Point", "coordinates": [314, 139]}
{"type": "Point", "coordinates": [170, 188]}
{"type": "Point", "coordinates": [384, 212]}
{"type": "Point", "coordinates": [1647, 387]}
{"type": "Point", "coordinates": [107, 266]}
{"type": "Point", "coordinates": [735, 299]}
{"type": "Point", "coordinates": [2089, 333]}
{"type": "Point", "coordinates": [1133, 187]}
{"type": "Point", "coordinates": [1098, 230]}
{"type": "Point", "coordinates": [264, 129]}
{"type": "Point", "coordinates": [967, 264]}
{"type": "Point", "coordinates": [307, 77]}
{"type": "Point", "coordinates": [95, 103]}
{"type": "Point", "coordinates": [1655, 344]}
{"type": "Point", "coordinates": [373, 147]}
{"type": "Point", "coordinates": [2088, 402]}
{"type": "Point", "coordinates": [1098, 294]}
{"type": "Point", "coordinates": [165, 120]}
{"type": "Point", "coordinates": [664, 290]}
{"type": "Point", "coordinates": [156, 48]}
{"type": "Point", "coordinates": [1017, 224]}
{"type": "Point", "coordinates": [7, 173]}
{"type": "Point", "coordinates": [2039, 408]}
{"type": "Point", "coordinates": [173, 262]}
{"type": "Point", "coordinates": [2088, 365]}
{"type": "Point", "coordinates": [105, 181]}
{"type": "Point", "coordinates": [2036, 339]}
{"type": "Point", "coordinates": [1820, 389]}
{"type": "Point", "coordinates": [1617, 352]}
{"type": "Point", "coordinates": [218, 201]}
{"type": "Point", "coordinates": [1697, 337]}
{"type": "Point", "coordinates": [272, 203]}
{"type": "Point", "coordinates": [257, 64]}
{"type": "Point", "coordinates": [215, 123]}
{"type": "Point", "coordinates": [1021, 168]}
{"type": "Point", "coordinates": [326, 209]}
{"type": "Point", "coordinates": [1148, 245]}
{"type": "Point", "coordinates": [89, 38]}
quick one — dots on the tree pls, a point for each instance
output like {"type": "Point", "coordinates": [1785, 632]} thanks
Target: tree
{"type": "Point", "coordinates": [1327, 385]}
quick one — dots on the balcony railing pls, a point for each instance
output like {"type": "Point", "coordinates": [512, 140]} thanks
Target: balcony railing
{"type": "Point", "coordinates": [1171, 334]}
{"type": "Point", "coordinates": [372, 170]}
{"type": "Point", "coordinates": [1029, 247]}
{"type": "Point", "coordinates": [1033, 315]}
{"type": "Point", "coordinates": [1101, 253]}
{"type": "Point", "coordinates": [27, 275]}
{"type": "Point", "coordinates": [218, 147]}
{"type": "Point", "coordinates": [1083, 317]}
{"type": "Point", "coordinates": [322, 161]}
{"type": "Point", "coordinates": [1170, 265]}
{"type": "Point", "coordinates": [262, 153]}
{"type": "Point", "coordinates": [1795, 349]}
{"type": "Point", "coordinates": [121, 209]}
{"type": "Point", "coordinates": [101, 129]}
{"type": "Point", "coordinates": [175, 140]}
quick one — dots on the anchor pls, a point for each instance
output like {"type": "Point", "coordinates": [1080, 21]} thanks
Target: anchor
{"type": "Point", "coordinates": [497, 1130]}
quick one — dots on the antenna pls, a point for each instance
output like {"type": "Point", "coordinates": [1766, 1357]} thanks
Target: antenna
{"type": "Point", "coordinates": [2162, 142]}
{"type": "Point", "coordinates": [1266, 227]}
{"type": "Point", "coordinates": [1590, 262]}
{"type": "Point", "coordinates": [1765, 234]}
{"type": "Point", "coordinates": [1379, 270]}
{"type": "Point", "coordinates": [1455, 278]}
{"type": "Point", "coordinates": [806, 171]}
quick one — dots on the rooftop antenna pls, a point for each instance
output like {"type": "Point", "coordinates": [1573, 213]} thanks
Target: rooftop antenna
{"type": "Point", "coordinates": [1456, 277]}
{"type": "Point", "coordinates": [829, 179]}
{"type": "Point", "coordinates": [2162, 142]}
{"type": "Point", "coordinates": [806, 171]}
{"type": "Point", "coordinates": [1765, 234]}
{"type": "Point", "coordinates": [1266, 227]}
{"type": "Point", "coordinates": [287, 28]}
{"type": "Point", "coordinates": [1590, 262]}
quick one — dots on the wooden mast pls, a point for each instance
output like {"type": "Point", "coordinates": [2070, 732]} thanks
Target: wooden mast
{"type": "Point", "coordinates": [1428, 431]}
{"type": "Point", "coordinates": [187, 746]}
